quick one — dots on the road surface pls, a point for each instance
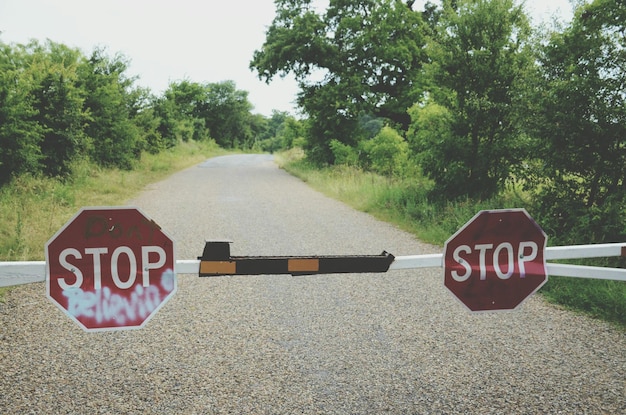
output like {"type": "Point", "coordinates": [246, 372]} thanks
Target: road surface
{"type": "Point", "coordinates": [331, 344]}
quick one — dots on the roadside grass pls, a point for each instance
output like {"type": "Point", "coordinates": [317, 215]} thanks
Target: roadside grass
{"type": "Point", "coordinates": [405, 203]}
{"type": "Point", "coordinates": [32, 209]}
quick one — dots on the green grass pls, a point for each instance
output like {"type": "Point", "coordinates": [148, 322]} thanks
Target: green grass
{"type": "Point", "coordinates": [32, 209]}
{"type": "Point", "coordinates": [602, 299]}
{"type": "Point", "coordinates": [404, 202]}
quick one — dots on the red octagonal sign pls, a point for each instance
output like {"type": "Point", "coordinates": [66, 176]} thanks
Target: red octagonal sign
{"type": "Point", "coordinates": [496, 260]}
{"type": "Point", "coordinates": [110, 268]}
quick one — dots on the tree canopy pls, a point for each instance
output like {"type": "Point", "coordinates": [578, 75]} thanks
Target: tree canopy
{"type": "Point", "coordinates": [356, 58]}
{"type": "Point", "coordinates": [479, 58]}
{"type": "Point", "coordinates": [581, 122]}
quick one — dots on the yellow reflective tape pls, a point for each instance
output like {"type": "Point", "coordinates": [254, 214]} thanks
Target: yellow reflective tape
{"type": "Point", "coordinates": [303, 265]}
{"type": "Point", "coordinates": [218, 267]}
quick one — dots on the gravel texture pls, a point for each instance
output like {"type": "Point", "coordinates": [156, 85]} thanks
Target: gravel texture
{"type": "Point", "coordinates": [332, 344]}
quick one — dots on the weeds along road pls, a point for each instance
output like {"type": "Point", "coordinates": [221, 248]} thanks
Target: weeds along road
{"type": "Point", "coordinates": [331, 344]}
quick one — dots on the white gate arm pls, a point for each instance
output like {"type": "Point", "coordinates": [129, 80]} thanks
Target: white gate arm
{"type": "Point", "coordinates": [25, 272]}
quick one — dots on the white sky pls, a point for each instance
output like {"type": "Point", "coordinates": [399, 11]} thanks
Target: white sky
{"type": "Point", "coordinates": [165, 41]}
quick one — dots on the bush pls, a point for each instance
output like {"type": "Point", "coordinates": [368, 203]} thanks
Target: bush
{"type": "Point", "coordinates": [343, 153]}
{"type": "Point", "coordinates": [387, 153]}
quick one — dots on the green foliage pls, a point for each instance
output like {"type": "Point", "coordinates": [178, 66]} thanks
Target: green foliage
{"type": "Point", "coordinates": [599, 298]}
{"type": "Point", "coordinates": [292, 132]}
{"type": "Point", "coordinates": [370, 126]}
{"type": "Point", "coordinates": [327, 121]}
{"type": "Point", "coordinates": [480, 55]}
{"type": "Point", "coordinates": [59, 107]}
{"type": "Point", "coordinates": [20, 134]}
{"type": "Point", "coordinates": [193, 111]}
{"type": "Point", "coordinates": [493, 107]}
{"type": "Point", "coordinates": [148, 124]}
{"type": "Point", "coordinates": [116, 139]}
{"type": "Point", "coordinates": [59, 104]}
{"type": "Point", "coordinates": [343, 153]}
{"type": "Point", "coordinates": [280, 132]}
{"type": "Point", "coordinates": [68, 107]}
{"type": "Point", "coordinates": [357, 58]}
{"type": "Point", "coordinates": [227, 115]}
{"type": "Point", "coordinates": [387, 153]}
{"type": "Point", "coordinates": [581, 120]}
{"type": "Point", "coordinates": [434, 144]}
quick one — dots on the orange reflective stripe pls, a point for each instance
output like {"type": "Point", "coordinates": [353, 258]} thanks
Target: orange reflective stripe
{"type": "Point", "coordinates": [218, 267]}
{"type": "Point", "coordinates": [303, 265]}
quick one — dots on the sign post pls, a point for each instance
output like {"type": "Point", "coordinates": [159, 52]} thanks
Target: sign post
{"type": "Point", "coordinates": [496, 260]}
{"type": "Point", "coordinates": [110, 268]}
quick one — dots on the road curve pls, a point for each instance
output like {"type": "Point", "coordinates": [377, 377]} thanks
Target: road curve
{"type": "Point", "coordinates": [330, 344]}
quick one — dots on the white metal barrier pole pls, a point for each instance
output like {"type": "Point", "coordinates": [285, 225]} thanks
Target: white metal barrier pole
{"type": "Point", "coordinates": [25, 272]}
{"type": "Point", "coordinates": [22, 272]}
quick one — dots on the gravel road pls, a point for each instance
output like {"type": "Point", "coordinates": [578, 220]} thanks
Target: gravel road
{"type": "Point", "coordinates": [333, 344]}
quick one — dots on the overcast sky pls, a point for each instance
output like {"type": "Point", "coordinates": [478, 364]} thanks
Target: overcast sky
{"type": "Point", "coordinates": [165, 41]}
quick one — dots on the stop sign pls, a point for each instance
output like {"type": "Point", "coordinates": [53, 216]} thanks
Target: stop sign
{"type": "Point", "coordinates": [496, 260]}
{"type": "Point", "coordinates": [110, 268]}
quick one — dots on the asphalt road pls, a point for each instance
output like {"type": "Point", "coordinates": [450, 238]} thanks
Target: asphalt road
{"type": "Point", "coordinates": [330, 344]}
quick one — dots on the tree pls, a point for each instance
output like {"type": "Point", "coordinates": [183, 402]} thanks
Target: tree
{"type": "Point", "coordinates": [292, 132]}
{"type": "Point", "coordinates": [194, 111]}
{"type": "Point", "coordinates": [59, 104]}
{"type": "Point", "coordinates": [227, 114]}
{"type": "Point", "coordinates": [358, 58]}
{"type": "Point", "coordinates": [258, 129]}
{"type": "Point", "coordinates": [279, 132]}
{"type": "Point", "coordinates": [387, 152]}
{"type": "Point", "coordinates": [183, 112]}
{"type": "Point", "coordinates": [480, 55]}
{"type": "Point", "coordinates": [143, 113]}
{"type": "Point", "coordinates": [276, 123]}
{"type": "Point", "coordinates": [20, 134]}
{"type": "Point", "coordinates": [581, 125]}
{"type": "Point", "coordinates": [116, 139]}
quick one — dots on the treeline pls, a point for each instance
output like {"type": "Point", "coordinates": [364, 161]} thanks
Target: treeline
{"type": "Point", "coordinates": [465, 92]}
{"type": "Point", "coordinates": [58, 106]}
{"type": "Point", "coordinates": [470, 94]}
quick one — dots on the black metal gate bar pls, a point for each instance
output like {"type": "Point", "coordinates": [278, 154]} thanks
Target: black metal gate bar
{"type": "Point", "coordinates": [216, 260]}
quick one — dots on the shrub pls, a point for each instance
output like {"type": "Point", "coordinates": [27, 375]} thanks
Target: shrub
{"type": "Point", "coordinates": [387, 153]}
